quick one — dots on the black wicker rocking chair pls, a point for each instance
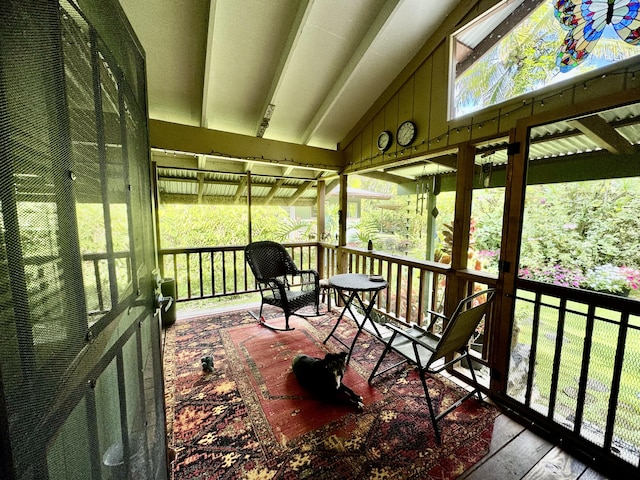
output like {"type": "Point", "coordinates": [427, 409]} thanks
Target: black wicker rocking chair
{"type": "Point", "coordinates": [274, 271]}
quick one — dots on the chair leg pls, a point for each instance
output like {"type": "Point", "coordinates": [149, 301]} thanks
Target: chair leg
{"type": "Point", "coordinates": [432, 413]}
{"type": "Point", "coordinates": [473, 376]}
{"type": "Point", "coordinates": [384, 353]}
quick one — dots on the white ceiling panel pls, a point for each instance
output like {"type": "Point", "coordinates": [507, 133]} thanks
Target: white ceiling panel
{"type": "Point", "coordinates": [322, 63]}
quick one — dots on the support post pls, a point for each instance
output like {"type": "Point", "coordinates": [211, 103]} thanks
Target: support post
{"type": "Point", "coordinates": [342, 219]}
{"type": "Point", "coordinates": [320, 225]}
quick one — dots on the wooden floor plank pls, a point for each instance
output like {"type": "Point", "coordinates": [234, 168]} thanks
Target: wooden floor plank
{"type": "Point", "coordinates": [504, 430]}
{"type": "Point", "coordinates": [514, 460]}
{"type": "Point", "coordinates": [591, 474]}
{"type": "Point", "coordinates": [556, 465]}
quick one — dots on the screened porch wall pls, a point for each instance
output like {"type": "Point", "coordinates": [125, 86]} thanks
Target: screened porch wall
{"type": "Point", "coordinates": [81, 390]}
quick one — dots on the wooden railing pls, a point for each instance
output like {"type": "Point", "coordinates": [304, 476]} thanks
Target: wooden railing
{"type": "Point", "coordinates": [202, 273]}
{"type": "Point", "coordinates": [100, 283]}
{"type": "Point", "coordinates": [414, 285]}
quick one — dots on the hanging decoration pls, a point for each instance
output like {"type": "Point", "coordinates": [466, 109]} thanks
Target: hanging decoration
{"type": "Point", "coordinates": [422, 192]}
{"type": "Point", "coordinates": [486, 168]}
{"type": "Point", "coordinates": [585, 21]}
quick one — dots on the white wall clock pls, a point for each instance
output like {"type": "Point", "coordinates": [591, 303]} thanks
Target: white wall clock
{"type": "Point", "coordinates": [384, 140]}
{"type": "Point", "coordinates": [406, 133]}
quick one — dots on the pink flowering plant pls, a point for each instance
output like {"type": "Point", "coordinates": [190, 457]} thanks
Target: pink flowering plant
{"type": "Point", "coordinates": [603, 278]}
{"type": "Point", "coordinates": [554, 274]}
{"type": "Point", "coordinates": [633, 276]}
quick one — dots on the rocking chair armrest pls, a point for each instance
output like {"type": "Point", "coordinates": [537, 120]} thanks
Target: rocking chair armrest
{"type": "Point", "coordinates": [273, 284]}
{"type": "Point", "coordinates": [310, 271]}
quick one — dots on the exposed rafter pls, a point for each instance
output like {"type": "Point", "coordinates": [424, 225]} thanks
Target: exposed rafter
{"type": "Point", "coordinates": [240, 189]}
{"type": "Point", "coordinates": [301, 189]}
{"type": "Point", "coordinates": [348, 72]}
{"type": "Point", "coordinates": [274, 189]}
{"type": "Point", "coordinates": [603, 134]}
{"type": "Point", "coordinates": [285, 58]}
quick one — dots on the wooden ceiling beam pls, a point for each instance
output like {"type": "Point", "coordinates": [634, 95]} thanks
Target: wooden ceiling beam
{"type": "Point", "coordinates": [185, 199]}
{"type": "Point", "coordinates": [274, 189]}
{"type": "Point", "coordinates": [602, 134]}
{"type": "Point", "coordinates": [174, 137]}
{"type": "Point", "coordinates": [386, 177]}
{"type": "Point", "coordinates": [301, 189]}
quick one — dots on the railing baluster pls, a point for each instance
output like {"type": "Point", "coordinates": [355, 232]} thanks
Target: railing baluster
{"type": "Point", "coordinates": [96, 270]}
{"type": "Point", "coordinates": [584, 370]}
{"type": "Point", "coordinates": [213, 274]}
{"type": "Point", "coordinates": [200, 273]}
{"type": "Point", "coordinates": [398, 289]}
{"type": "Point", "coordinates": [422, 291]}
{"type": "Point", "coordinates": [388, 307]}
{"type": "Point", "coordinates": [533, 351]}
{"type": "Point", "coordinates": [224, 273]}
{"type": "Point", "coordinates": [557, 355]}
{"type": "Point", "coordinates": [188, 276]}
{"type": "Point", "coordinates": [235, 272]}
{"type": "Point", "coordinates": [615, 381]}
{"type": "Point", "coordinates": [175, 274]}
{"type": "Point", "coordinates": [246, 276]}
{"type": "Point", "coordinates": [409, 294]}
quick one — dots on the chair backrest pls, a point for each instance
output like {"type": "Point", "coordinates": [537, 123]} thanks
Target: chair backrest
{"type": "Point", "coordinates": [463, 323]}
{"type": "Point", "coordinates": [268, 259]}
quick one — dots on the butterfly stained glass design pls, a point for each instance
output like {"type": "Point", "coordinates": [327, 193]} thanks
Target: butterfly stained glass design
{"type": "Point", "coordinates": [585, 21]}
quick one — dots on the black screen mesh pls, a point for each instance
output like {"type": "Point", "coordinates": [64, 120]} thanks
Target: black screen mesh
{"type": "Point", "coordinates": [80, 370]}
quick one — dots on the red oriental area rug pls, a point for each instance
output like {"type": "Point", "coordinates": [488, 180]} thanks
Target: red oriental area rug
{"type": "Point", "coordinates": [249, 419]}
{"type": "Point", "coordinates": [262, 359]}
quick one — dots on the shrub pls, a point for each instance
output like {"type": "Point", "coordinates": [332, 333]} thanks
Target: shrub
{"type": "Point", "coordinates": [610, 279]}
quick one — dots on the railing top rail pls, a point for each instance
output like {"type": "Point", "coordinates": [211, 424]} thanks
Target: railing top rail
{"type": "Point", "coordinates": [411, 262]}
{"type": "Point", "coordinates": [597, 299]}
{"type": "Point", "coordinates": [477, 275]}
{"type": "Point", "coordinates": [225, 248]}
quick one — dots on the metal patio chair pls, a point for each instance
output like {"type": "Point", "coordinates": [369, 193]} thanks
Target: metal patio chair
{"type": "Point", "coordinates": [425, 349]}
{"type": "Point", "coordinates": [274, 271]}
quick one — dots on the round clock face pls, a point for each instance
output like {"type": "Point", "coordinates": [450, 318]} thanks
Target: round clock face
{"type": "Point", "coordinates": [384, 141]}
{"type": "Point", "coordinates": [406, 133]}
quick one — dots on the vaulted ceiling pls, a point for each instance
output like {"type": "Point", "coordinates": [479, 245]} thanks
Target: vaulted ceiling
{"type": "Point", "coordinates": [299, 71]}
{"type": "Point", "coordinates": [303, 72]}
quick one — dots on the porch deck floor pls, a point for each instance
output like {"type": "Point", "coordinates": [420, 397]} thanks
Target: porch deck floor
{"type": "Point", "coordinates": [516, 452]}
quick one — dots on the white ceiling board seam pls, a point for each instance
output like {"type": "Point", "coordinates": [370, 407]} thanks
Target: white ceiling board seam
{"type": "Point", "coordinates": [342, 82]}
{"type": "Point", "coordinates": [302, 15]}
{"type": "Point", "coordinates": [208, 64]}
